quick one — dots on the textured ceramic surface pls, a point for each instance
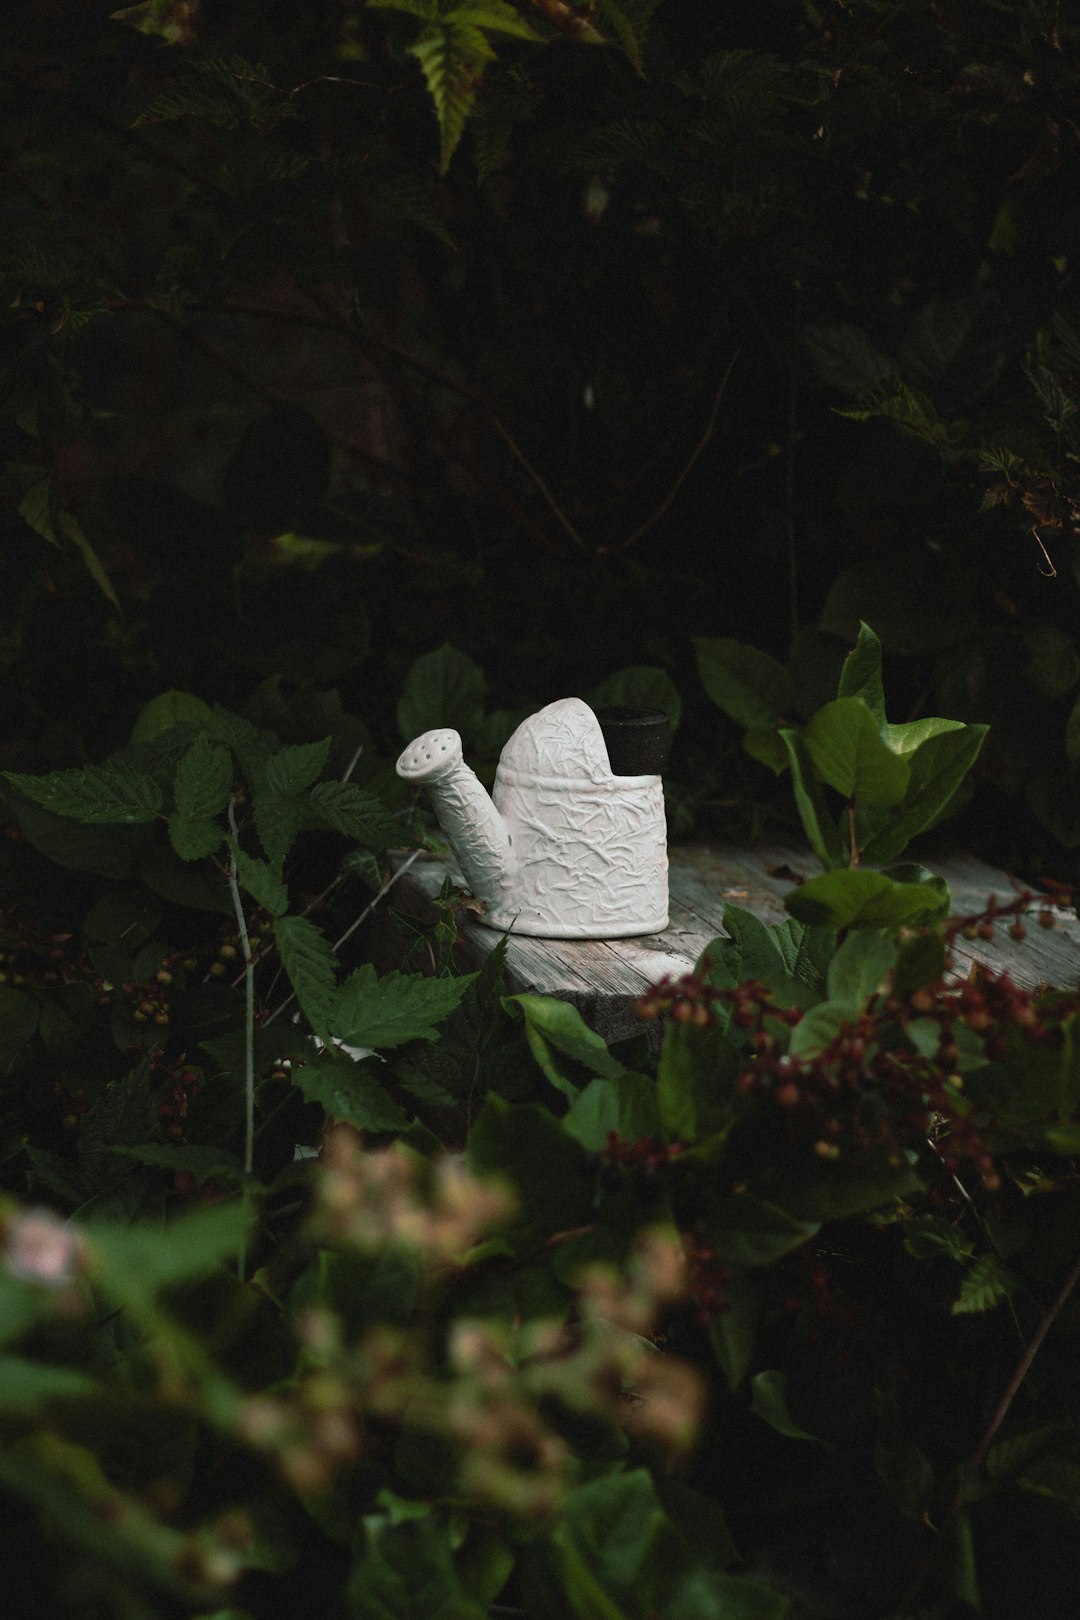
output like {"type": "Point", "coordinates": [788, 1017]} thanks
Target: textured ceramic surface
{"type": "Point", "coordinates": [563, 849]}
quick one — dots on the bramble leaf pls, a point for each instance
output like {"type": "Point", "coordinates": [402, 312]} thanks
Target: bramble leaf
{"type": "Point", "coordinates": [295, 767]}
{"type": "Point", "coordinates": [203, 780]}
{"type": "Point", "coordinates": [98, 795]}
{"type": "Point", "coordinates": [349, 1091]}
{"type": "Point", "coordinates": [354, 812]}
{"type": "Point", "coordinates": [311, 965]}
{"type": "Point", "coordinates": [193, 840]}
{"type": "Point", "coordinates": [260, 880]}
{"type": "Point", "coordinates": [399, 1007]}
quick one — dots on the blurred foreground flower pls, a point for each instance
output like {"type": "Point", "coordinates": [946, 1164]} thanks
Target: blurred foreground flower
{"type": "Point", "coordinates": [41, 1247]}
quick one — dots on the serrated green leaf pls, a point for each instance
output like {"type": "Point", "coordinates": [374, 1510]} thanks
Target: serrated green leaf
{"type": "Point", "coordinates": [349, 1091]}
{"type": "Point", "coordinates": [399, 1007]}
{"type": "Point", "coordinates": [203, 780]}
{"type": "Point", "coordinates": [194, 840]}
{"type": "Point", "coordinates": [277, 822]}
{"type": "Point", "coordinates": [750, 686]}
{"type": "Point", "coordinates": [452, 57]}
{"type": "Point", "coordinates": [494, 16]}
{"type": "Point", "coordinates": [261, 881]}
{"type": "Point", "coordinates": [98, 795]}
{"type": "Point", "coordinates": [296, 767]}
{"type": "Point", "coordinates": [309, 961]}
{"type": "Point", "coordinates": [355, 813]}
{"type": "Point", "coordinates": [844, 742]}
{"type": "Point", "coordinates": [843, 357]}
{"type": "Point", "coordinates": [984, 1286]}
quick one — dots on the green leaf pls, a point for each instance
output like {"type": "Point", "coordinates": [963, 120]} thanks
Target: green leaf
{"type": "Point", "coordinates": [548, 1168]}
{"type": "Point", "coordinates": [733, 1333]}
{"type": "Point", "coordinates": [26, 1385]}
{"type": "Point", "coordinates": [553, 1023]}
{"type": "Point", "coordinates": [860, 899]}
{"type": "Point", "coordinates": [712, 1594]}
{"type": "Point", "coordinates": [443, 688]}
{"type": "Point", "coordinates": [203, 1163]}
{"type": "Point", "coordinates": [768, 1398]}
{"type": "Point", "coordinates": [641, 686]}
{"type": "Point", "coordinates": [985, 1285]}
{"type": "Point", "coordinates": [1072, 734]}
{"type": "Point", "coordinates": [309, 961]}
{"type": "Point", "coordinates": [819, 826]}
{"type": "Point", "coordinates": [858, 969]}
{"type": "Point", "coordinates": [406, 1569]}
{"type": "Point", "coordinates": [452, 57]}
{"type": "Point", "coordinates": [615, 1546]}
{"type": "Point", "coordinates": [193, 840]}
{"type": "Point", "coordinates": [495, 16]}
{"type": "Point", "coordinates": [72, 530]}
{"type": "Point", "coordinates": [1053, 667]}
{"type": "Point", "coordinates": [844, 742]}
{"type": "Point", "coordinates": [749, 1231]}
{"type": "Point", "coordinates": [355, 813]}
{"type": "Point", "coordinates": [750, 686]}
{"type": "Point", "coordinates": [627, 1106]}
{"type": "Point", "coordinates": [144, 1257]}
{"type": "Point", "coordinates": [277, 821]}
{"type": "Point", "coordinates": [18, 1021]}
{"type": "Point", "coordinates": [294, 768]}
{"type": "Point", "coordinates": [167, 710]}
{"type": "Point", "coordinates": [261, 881]}
{"type": "Point", "coordinates": [906, 738]}
{"type": "Point", "coordinates": [98, 795]}
{"type": "Point", "coordinates": [398, 1007]}
{"type": "Point", "coordinates": [768, 748]}
{"type": "Point", "coordinates": [903, 1469]}
{"type": "Point", "coordinates": [843, 357]}
{"type": "Point", "coordinates": [861, 674]}
{"type": "Point", "coordinates": [937, 768]}
{"type": "Point", "coordinates": [203, 780]}
{"type": "Point", "coordinates": [350, 1091]}
{"type": "Point", "coordinates": [818, 1028]}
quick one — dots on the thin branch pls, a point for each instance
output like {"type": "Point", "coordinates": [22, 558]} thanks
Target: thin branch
{"type": "Point", "coordinates": [249, 1020]}
{"type": "Point", "coordinates": [710, 429]}
{"type": "Point", "coordinates": [520, 455]}
{"type": "Point", "coordinates": [1020, 1372]}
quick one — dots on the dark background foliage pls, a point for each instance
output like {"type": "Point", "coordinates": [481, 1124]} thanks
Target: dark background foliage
{"type": "Point", "coordinates": [567, 405]}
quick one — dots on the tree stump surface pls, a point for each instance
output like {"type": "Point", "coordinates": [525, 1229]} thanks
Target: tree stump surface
{"type": "Point", "coordinates": [603, 978]}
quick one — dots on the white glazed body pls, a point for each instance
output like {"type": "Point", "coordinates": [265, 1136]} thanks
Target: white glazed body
{"type": "Point", "coordinates": [567, 850]}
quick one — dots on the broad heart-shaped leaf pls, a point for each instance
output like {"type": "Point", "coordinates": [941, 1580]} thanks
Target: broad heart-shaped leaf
{"type": "Point", "coordinates": [627, 1107]}
{"type": "Point", "coordinates": [193, 840]}
{"type": "Point", "coordinates": [858, 968]}
{"type": "Point", "coordinates": [203, 780]}
{"type": "Point", "coordinates": [756, 950]}
{"type": "Point", "coordinates": [861, 674]}
{"type": "Point", "coordinates": [98, 795]}
{"type": "Point", "coordinates": [938, 766]}
{"type": "Point", "coordinates": [311, 965]}
{"type": "Point", "coordinates": [453, 57]}
{"type": "Point", "coordinates": [749, 1231]}
{"type": "Point", "coordinates": [553, 1023]}
{"type": "Point", "coordinates": [861, 899]}
{"type": "Point", "coordinates": [905, 738]}
{"type": "Point", "coordinates": [550, 1171]}
{"type": "Point", "coordinates": [349, 1091]}
{"type": "Point", "coordinates": [354, 812]}
{"type": "Point", "coordinates": [616, 1549]}
{"type": "Point", "coordinates": [641, 686]}
{"type": "Point", "coordinates": [399, 1007]}
{"type": "Point", "coordinates": [750, 686]}
{"type": "Point", "coordinates": [733, 1332]}
{"type": "Point", "coordinates": [261, 881]}
{"type": "Point", "coordinates": [820, 828]}
{"type": "Point", "coordinates": [844, 742]}
{"type": "Point", "coordinates": [713, 1594]}
{"type": "Point", "coordinates": [443, 688]}
{"type": "Point", "coordinates": [169, 709]}
{"type": "Point", "coordinates": [294, 768]}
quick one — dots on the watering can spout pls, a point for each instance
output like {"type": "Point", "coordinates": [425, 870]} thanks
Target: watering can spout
{"type": "Point", "coordinates": [466, 814]}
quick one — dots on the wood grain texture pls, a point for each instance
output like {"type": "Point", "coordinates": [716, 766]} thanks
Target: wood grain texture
{"type": "Point", "coordinates": [603, 978]}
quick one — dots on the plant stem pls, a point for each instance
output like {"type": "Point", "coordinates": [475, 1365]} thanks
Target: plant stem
{"type": "Point", "coordinates": [249, 1019]}
{"type": "Point", "coordinates": [853, 834]}
{"type": "Point", "coordinates": [978, 1457]}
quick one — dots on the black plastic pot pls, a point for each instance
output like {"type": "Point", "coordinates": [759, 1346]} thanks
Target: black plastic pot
{"type": "Point", "coordinates": [637, 740]}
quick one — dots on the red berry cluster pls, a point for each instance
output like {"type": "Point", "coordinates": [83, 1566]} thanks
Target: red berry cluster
{"type": "Point", "coordinates": [690, 999]}
{"type": "Point", "coordinates": [707, 1280]}
{"type": "Point", "coordinates": [180, 1084]}
{"type": "Point", "coordinates": [645, 1154]}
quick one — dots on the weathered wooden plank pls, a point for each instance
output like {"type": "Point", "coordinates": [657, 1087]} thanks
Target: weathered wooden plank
{"type": "Point", "coordinates": [603, 978]}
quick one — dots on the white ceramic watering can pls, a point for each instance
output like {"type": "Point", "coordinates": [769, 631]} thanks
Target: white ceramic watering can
{"type": "Point", "coordinates": [564, 848]}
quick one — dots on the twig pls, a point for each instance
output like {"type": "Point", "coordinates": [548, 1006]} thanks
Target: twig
{"type": "Point", "coordinates": [520, 455]}
{"type": "Point", "coordinates": [249, 1019]}
{"type": "Point", "coordinates": [710, 429]}
{"type": "Point", "coordinates": [1020, 1372]}
{"type": "Point", "coordinates": [364, 915]}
